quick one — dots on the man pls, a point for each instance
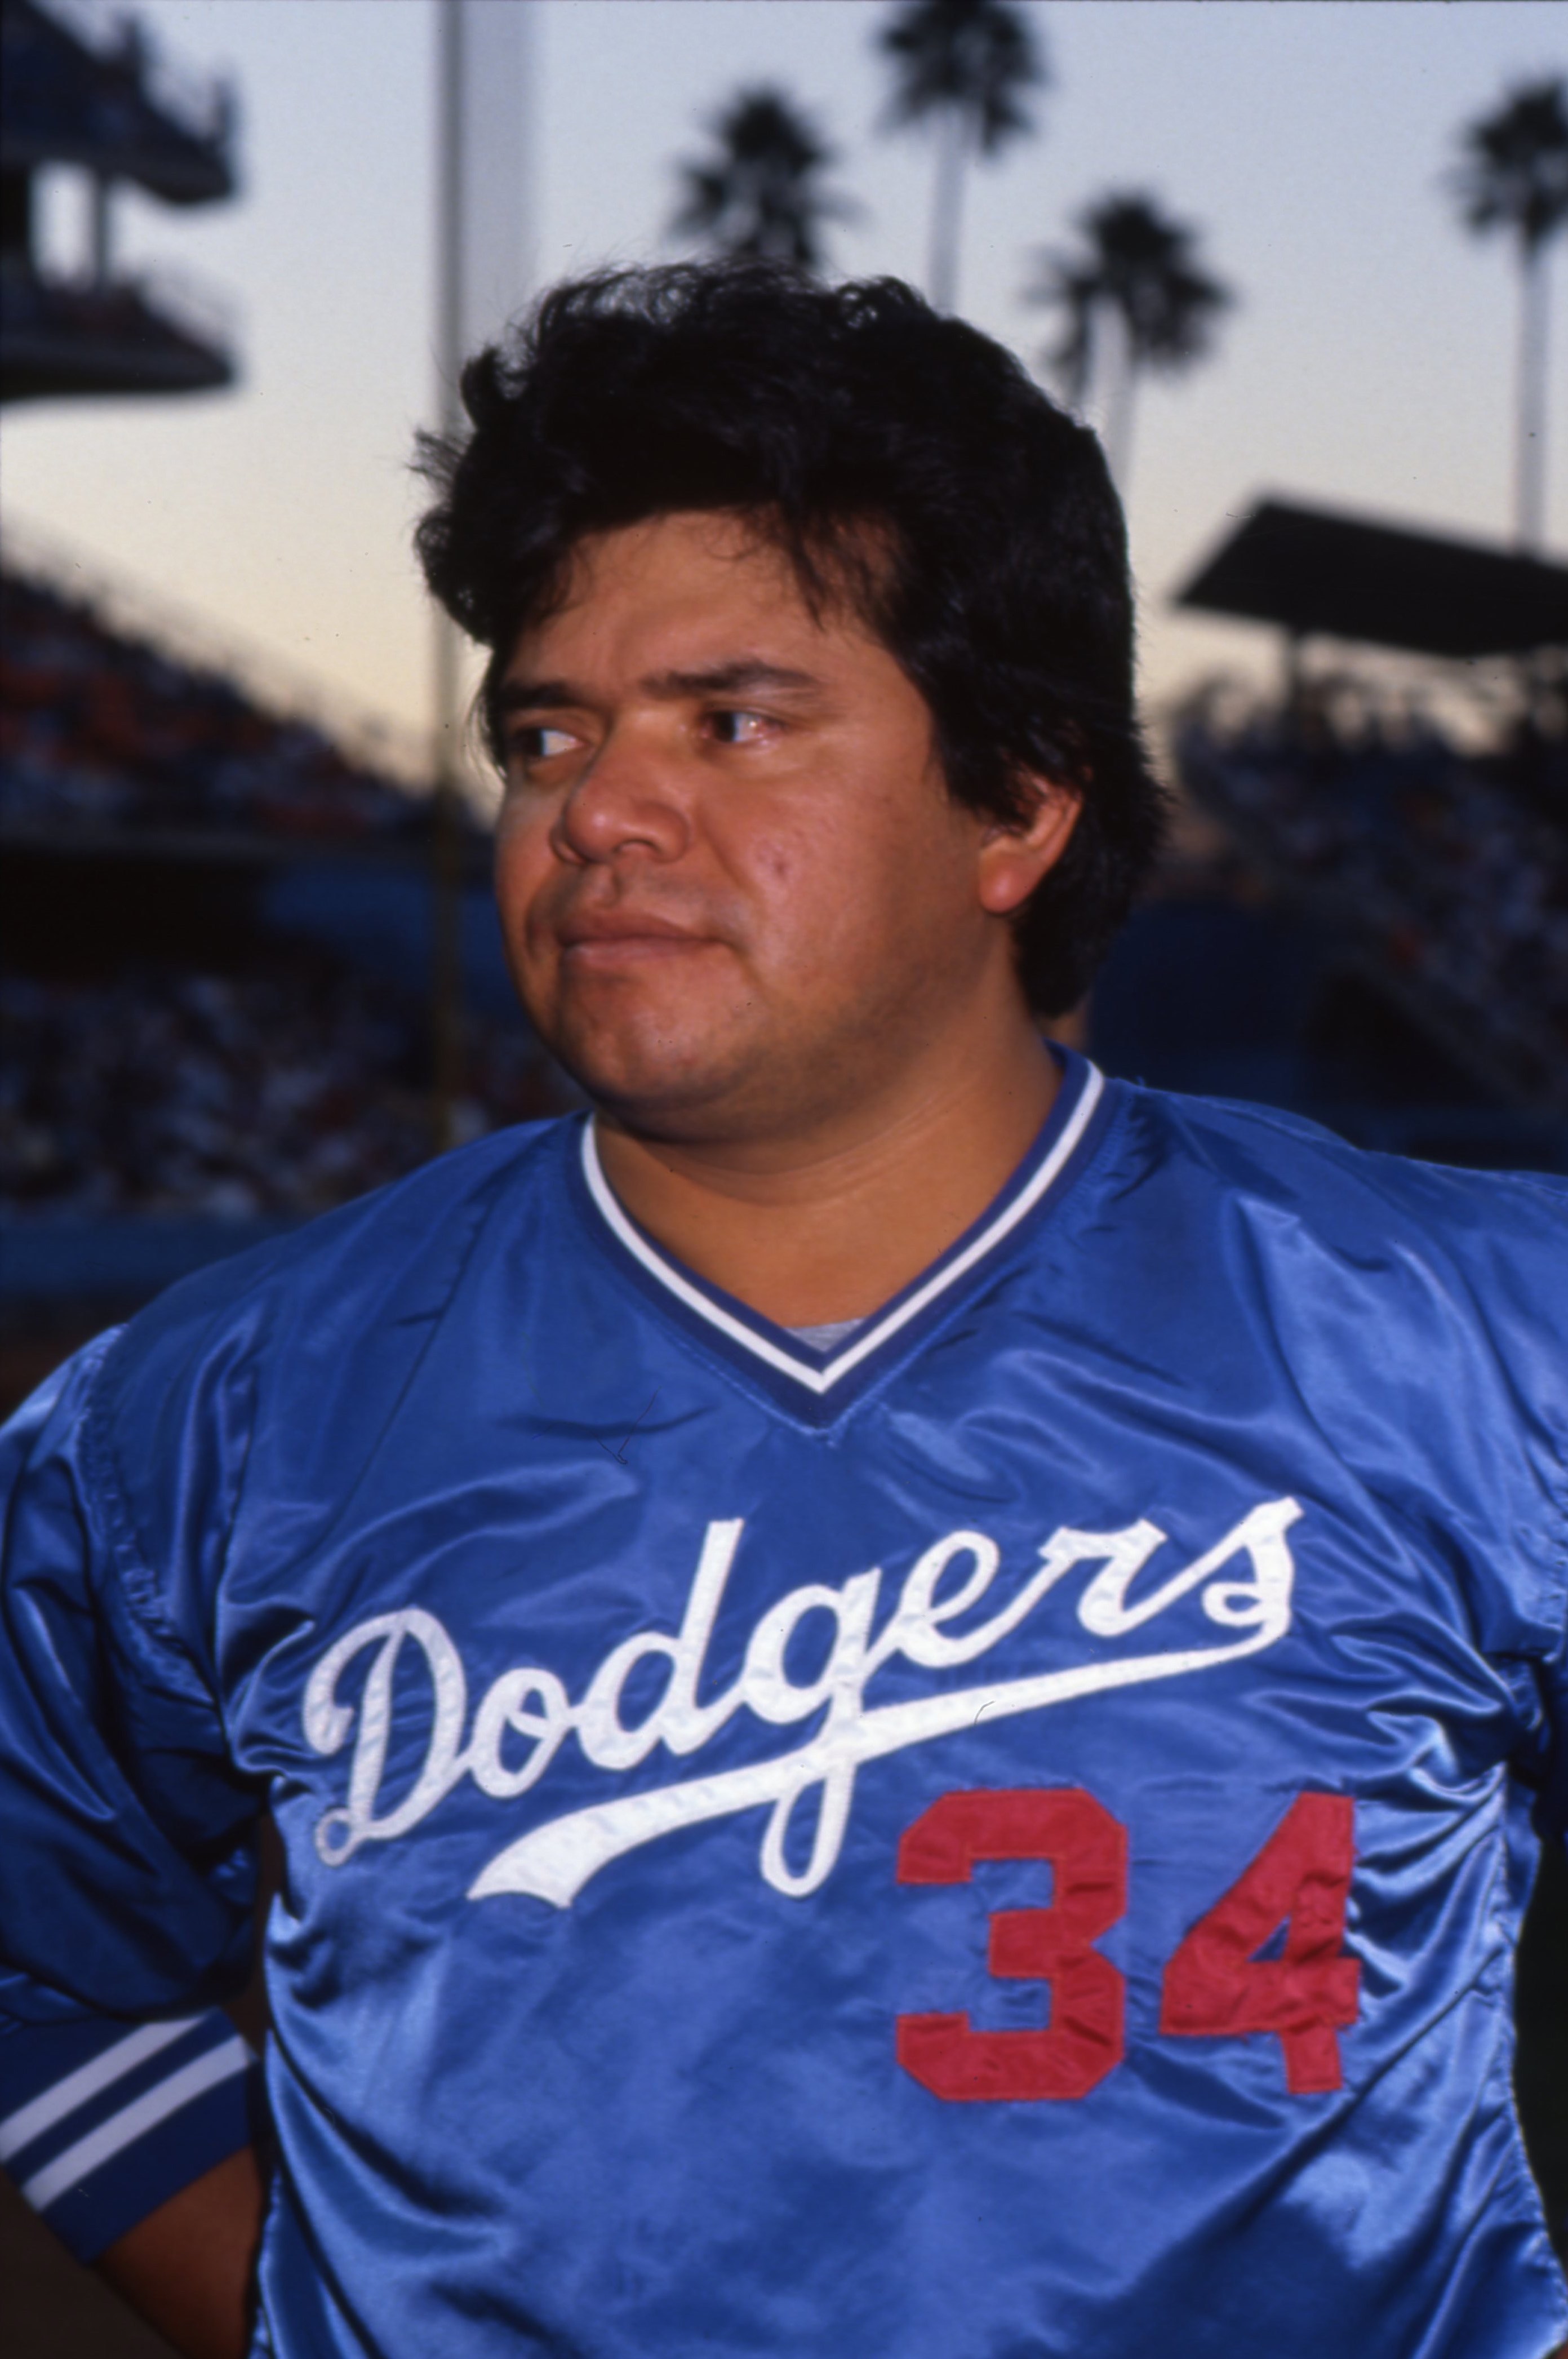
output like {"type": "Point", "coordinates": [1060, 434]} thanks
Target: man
{"type": "Point", "coordinates": [902, 1689]}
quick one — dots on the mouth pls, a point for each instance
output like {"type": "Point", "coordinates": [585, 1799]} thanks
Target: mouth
{"type": "Point", "coordinates": [626, 939]}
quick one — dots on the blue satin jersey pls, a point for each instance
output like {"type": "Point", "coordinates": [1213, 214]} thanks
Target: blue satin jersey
{"type": "Point", "coordinates": [999, 1838]}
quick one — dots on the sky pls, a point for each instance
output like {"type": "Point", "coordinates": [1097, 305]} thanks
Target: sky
{"type": "Point", "coordinates": [1368, 363]}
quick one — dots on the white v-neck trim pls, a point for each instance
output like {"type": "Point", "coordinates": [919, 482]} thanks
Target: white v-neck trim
{"type": "Point", "coordinates": [874, 1331]}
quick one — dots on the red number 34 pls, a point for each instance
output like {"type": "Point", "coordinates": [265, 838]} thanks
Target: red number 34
{"type": "Point", "coordinates": [1215, 1984]}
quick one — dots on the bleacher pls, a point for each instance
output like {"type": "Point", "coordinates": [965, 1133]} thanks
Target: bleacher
{"type": "Point", "coordinates": [1446, 872]}
{"type": "Point", "coordinates": [104, 730]}
{"type": "Point", "coordinates": [1373, 927]}
{"type": "Point", "coordinates": [215, 971]}
{"type": "Point", "coordinates": [278, 1087]}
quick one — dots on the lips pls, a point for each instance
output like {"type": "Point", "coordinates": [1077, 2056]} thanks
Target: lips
{"type": "Point", "coordinates": [613, 936]}
{"type": "Point", "coordinates": [621, 926]}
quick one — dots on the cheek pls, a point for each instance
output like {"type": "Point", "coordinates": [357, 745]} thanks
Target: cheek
{"type": "Point", "coordinates": [825, 888]}
{"type": "Point", "coordinates": [798, 874]}
{"type": "Point", "coordinates": [523, 864]}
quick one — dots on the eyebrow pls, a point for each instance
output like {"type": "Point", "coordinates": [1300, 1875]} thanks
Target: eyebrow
{"type": "Point", "coordinates": [732, 678]}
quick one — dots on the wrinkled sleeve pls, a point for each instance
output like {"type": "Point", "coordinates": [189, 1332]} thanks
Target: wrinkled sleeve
{"type": "Point", "coordinates": [1525, 1297]}
{"type": "Point", "coordinates": [127, 1870]}
{"type": "Point", "coordinates": [1552, 1813]}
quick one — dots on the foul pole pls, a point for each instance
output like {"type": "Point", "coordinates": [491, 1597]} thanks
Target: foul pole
{"type": "Point", "coordinates": [481, 208]}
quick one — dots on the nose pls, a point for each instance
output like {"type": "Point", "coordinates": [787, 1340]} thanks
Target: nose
{"type": "Point", "coordinates": [624, 800]}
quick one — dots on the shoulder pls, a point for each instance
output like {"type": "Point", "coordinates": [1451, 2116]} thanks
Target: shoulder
{"type": "Point", "coordinates": [1257, 1163]}
{"type": "Point", "coordinates": [329, 1318]}
{"type": "Point", "coordinates": [1251, 1227]}
{"type": "Point", "coordinates": [411, 1232]}
{"type": "Point", "coordinates": [1409, 1316]}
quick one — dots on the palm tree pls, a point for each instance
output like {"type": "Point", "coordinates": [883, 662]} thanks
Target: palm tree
{"type": "Point", "coordinates": [1513, 175]}
{"type": "Point", "coordinates": [967, 63]}
{"type": "Point", "coordinates": [1131, 297]}
{"type": "Point", "coordinates": [762, 193]}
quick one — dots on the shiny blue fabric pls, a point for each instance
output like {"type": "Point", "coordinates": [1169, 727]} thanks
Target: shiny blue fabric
{"type": "Point", "coordinates": [644, 2100]}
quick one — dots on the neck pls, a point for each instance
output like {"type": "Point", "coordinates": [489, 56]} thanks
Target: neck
{"type": "Point", "coordinates": [831, 1221]}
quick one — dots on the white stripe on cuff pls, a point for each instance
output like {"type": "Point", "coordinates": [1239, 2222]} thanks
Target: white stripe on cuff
{"type": "Point", "coordinates": [31, 2120]}
{"type": "Point", "coordinates": [100, 2146]}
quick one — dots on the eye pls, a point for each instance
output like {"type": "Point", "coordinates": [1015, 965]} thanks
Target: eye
{"type": "Point", "coordinates": [530, 746]}
{"type": "Point", "coordinates": [735, 725]}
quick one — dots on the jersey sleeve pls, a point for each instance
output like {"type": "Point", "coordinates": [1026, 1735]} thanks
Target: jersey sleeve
{"type": "Point", "coordinates": [127, 1872]}
{"type": "Point", "coordinates": [1551, 1809]}
{"type": "Point", "coordinates": [101, 2121]}
{"type": "Point", "coordinates": [1516, 1425]}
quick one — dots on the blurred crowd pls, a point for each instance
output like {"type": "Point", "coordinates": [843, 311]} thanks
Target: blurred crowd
{"type": "Point", "coordinates": [100, 729]}
{"type": "Point", "coordinates": [1452, 869]}
{"type": "Point", "coordinates": [284, 1089]}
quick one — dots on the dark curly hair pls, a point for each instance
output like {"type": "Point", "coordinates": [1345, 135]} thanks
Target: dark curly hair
{"type": "Point", "coordinates": [999, 578]}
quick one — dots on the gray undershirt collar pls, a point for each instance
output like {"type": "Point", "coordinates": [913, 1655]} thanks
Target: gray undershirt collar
{"type": "Point", "coordinates": [822, 1339]}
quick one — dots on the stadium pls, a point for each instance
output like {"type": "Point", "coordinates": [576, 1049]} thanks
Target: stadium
{"type": "Point", "coordinates": [250, 971]}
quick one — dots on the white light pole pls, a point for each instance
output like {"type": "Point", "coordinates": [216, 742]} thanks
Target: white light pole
{"type": "Point", "coordinates": [482, 147]}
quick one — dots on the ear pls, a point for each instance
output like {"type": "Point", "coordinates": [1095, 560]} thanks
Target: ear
{"type": "Point", "coordinates": [1012, 860]}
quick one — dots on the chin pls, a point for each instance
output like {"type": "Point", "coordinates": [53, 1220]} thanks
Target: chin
{"type": "Point", "coordinates": [648, 1045]}
{"type": "Point", "coordinates": [690, 1065]}
{"type": "Point", "coordinates": [650, 1079]}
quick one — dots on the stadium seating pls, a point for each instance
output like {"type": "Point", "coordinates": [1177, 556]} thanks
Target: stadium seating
{"type": "Point", "coordinates": [103, 730]}
{"type": "Point", "coordinates": [214, 1006]}
{"type": "Point", "coordinates": [1447, 870]}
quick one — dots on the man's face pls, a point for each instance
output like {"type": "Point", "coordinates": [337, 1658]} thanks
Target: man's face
{"type": "Point", "coordinates": [731, 881]}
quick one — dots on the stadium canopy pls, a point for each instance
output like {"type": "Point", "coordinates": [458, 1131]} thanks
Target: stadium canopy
{"type": "Point", "coordinates": [1307, 569]}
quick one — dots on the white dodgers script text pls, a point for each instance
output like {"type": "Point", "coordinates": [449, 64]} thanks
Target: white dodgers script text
{"type": "Point", "coordinates": [525, 1716]}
